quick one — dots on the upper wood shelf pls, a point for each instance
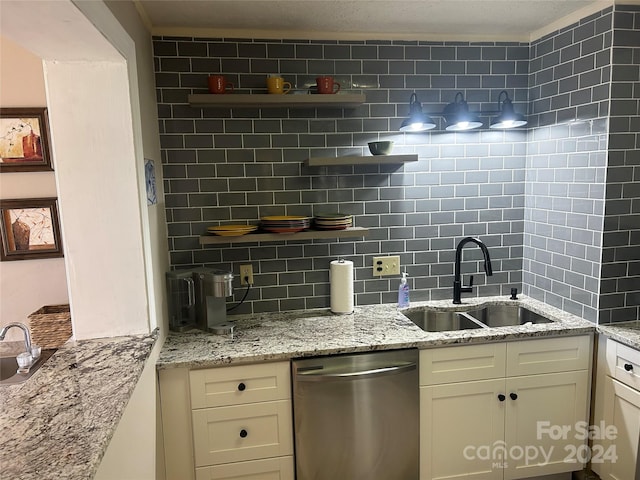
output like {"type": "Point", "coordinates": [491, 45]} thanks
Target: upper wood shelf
{"type": "Point", "coordinates": [357, 160]}
{"type": "Point", "coordinates": [352, 232]}
{"type": "Point", "coordinates": [260, 100]}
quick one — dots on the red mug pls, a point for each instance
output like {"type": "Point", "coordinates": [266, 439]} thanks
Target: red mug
{"type": "Point", "coordinates": [218, 84]}
{"type": "Point", "coordinates": [327, 85]}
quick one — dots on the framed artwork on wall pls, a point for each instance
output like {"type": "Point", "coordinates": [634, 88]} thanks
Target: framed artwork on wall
{"type": "Point", "coordinates": [30, 229]}
{"type": "Point", "coordinates": [24, 140]}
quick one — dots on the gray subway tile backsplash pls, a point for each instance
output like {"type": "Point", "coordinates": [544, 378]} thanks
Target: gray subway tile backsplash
{"type": "Point", "coordinates": [536, 197]}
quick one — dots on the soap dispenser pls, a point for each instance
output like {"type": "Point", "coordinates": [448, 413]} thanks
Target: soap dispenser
{"type": "Point", "coordinates": [403, 292]}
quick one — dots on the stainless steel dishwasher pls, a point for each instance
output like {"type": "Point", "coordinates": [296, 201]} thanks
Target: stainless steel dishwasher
{"type": "Point", "coordinates": [356, 417]}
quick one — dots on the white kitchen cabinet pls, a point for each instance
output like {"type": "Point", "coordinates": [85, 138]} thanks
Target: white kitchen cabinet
{"type": "Point", "coordinates": [280, 468]}
{"type": "Point", "coordinates": [616, 451]}
{"type": "Point", "coordinates": [455, 417]}
{"type": "Point", "coordinates": [242, 432]}
{"type": "Point", "coordinates": [557, 399]}
{"type": "Point", "coordinates": [480, 403]}
{"type": "Point", "coordinates": [228, 422]}
{"type": "Point", "coordinates": [217, 387]}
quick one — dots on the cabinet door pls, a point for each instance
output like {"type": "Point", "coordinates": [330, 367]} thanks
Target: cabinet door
{"type": "Point", "coordinates": [460, 425]}
{"type": "Point", "coordinates": [535, 407]}
{"type": "Point", "coordinates": [622, 410]}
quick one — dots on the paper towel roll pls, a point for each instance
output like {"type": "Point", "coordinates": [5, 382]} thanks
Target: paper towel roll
{"type": "Point", "coordinates": [341, 281]}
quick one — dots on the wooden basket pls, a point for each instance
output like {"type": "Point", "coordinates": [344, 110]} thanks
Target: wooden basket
{"type": "Point", "coordinates": [50, 326]}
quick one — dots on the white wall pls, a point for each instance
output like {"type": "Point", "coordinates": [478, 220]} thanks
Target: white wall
{"type": "Point", "coordinates": [101, 94]}
{"type": "Point", "coordinates": [153, 215]}
{"type": "Point", "coordinates": [26, 285]}
{"type": "Point", "coordinates": [99, 197]}
{"type": "Point", "coordinates": [95, 125]}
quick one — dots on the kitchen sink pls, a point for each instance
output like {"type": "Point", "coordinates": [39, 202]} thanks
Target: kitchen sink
{"type": "Point", "coordinates": [489, 316]}
{"type": "Point", "coordinates": [9, 367]}
{"type": "Point", "coordinates": [433, 321]}
{"type": "Point", "coordinates": [506, 316]}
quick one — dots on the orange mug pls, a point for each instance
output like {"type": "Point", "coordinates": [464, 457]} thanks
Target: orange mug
{"type": "Point", "coordinates": [218, 84]}
{"type": "Point", "coordinates": [327, 85]}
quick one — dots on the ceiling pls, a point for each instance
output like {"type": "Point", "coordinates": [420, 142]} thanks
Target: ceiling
{"type": "Point", "coordinates": [498, 20]}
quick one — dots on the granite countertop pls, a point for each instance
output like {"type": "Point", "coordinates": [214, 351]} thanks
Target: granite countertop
{"type": "Point", "coordinates": [59, 423]}
{"type": "Point", "coordinates": [306, 333]}
{"type": "Point", "coordinates": [627, 333]}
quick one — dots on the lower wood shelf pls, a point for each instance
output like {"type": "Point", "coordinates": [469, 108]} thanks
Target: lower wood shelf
{"type": "Point", "coordinates": [353, 232]}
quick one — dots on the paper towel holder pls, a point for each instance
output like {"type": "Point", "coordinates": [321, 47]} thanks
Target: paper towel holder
{"type": "Point", "coordinates": [341, 286]}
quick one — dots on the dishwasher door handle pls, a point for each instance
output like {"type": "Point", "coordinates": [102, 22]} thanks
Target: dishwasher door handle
{"type": "Point", "coordinates": [376, 372]}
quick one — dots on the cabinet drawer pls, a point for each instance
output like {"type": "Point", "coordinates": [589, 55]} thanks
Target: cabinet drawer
{"type": "Point", "coordinates": [280, 468]}
{"type": "Point", "coordinates": [462, 363]}
{"type": "Point", "coordinates": [549, 355]}
{"type": "Point", "coordinates": [623, 364]}
{"type": "Point", "coordinates": [215, 387]}
{"type": "Point", "coordinates": [242, 432]}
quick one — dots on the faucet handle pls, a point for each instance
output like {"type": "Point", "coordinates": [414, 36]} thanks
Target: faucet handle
{"type": "Point", "coordinates": [36, 351]}
{"type": "Point", "coordinates": [467, 288]}
{"type": "Point", "coordinates": [24, 360]}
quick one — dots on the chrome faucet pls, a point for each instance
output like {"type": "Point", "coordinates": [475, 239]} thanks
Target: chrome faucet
{"type": "Point", "coordinates": [458, 288]}
{"type": "Point", "coordinates": [25, 330]}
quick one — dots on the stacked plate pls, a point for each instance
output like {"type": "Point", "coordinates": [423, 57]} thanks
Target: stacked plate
{"type": "Point", "coordinates": [232, 230]}
{"type": "Point", "coordinates": [332, 221]}
{"type": "Point", "coordinates": [285, 224]}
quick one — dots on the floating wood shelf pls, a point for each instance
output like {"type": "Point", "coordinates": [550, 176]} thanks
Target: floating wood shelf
{"type": "Point", "coordinates": [352, 232]}
{"type": "Point", "coordinates": [259, 100]}
{"type": "Point", "coordinates": [356, 160]}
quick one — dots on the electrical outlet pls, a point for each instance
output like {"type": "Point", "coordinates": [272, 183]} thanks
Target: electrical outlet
{"type": "Point", "coordinates": [246, 275]}
{"type": "Point", "coordinates": [386, 265]}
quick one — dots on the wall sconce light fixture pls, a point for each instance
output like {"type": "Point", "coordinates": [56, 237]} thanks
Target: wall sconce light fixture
{"type": "Point", "coordinates": [417, 121]}
{"type": "Point", "coordinates": [459, 118]}
{"type": "Point", "coordinates": [508, 117]}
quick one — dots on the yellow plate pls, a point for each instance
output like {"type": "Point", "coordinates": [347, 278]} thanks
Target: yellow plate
{"type": "Point", "coordinates": [231, 233]}
{"type": "Point", "coordinates": [231, 228]}
{"type": "Point", "coordinates": [276, 218]}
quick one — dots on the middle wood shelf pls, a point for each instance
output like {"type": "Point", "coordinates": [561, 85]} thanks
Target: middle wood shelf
{"type": "Point", "coordinates": [361, 160]}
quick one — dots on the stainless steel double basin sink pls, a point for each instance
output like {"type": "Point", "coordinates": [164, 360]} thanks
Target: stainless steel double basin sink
{"type": "Point", "coordinates": [488, 316]}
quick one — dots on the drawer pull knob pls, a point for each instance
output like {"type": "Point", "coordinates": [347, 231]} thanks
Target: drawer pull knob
{"type": "Point", "coordinates": [513, 396]}
{"type": "Point", "coordinates": [501, 397]}
{"type": "Point", "coordinates": [242, 387]}
{"type": "Point", "coordinates": [628, 367]}
{"type": "Point", "coordinates": [243, 433]}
